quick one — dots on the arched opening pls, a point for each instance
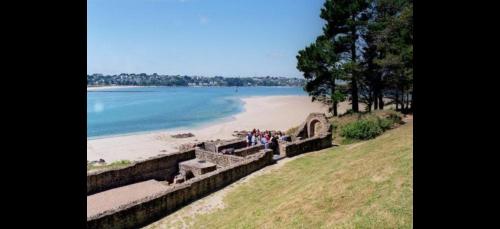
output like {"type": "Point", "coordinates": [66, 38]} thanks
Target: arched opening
{"type": "Point", "coordinates": [314, 127]}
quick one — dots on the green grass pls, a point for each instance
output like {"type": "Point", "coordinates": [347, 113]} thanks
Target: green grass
{"type": "Point", "coordinates": [113, 165]}
{"type": "Point", "coordinates": [363, 185]}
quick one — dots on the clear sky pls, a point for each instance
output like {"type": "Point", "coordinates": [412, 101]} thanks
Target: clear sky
{"type": "Point", "coordinates": [200, 37]}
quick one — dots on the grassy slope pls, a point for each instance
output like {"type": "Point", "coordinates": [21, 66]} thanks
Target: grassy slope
{"type": "Point", "coordinates": [362, 185]}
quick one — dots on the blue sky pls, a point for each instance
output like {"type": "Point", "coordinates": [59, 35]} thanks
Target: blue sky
{"type": "Point", "coordinates": [200, 37]}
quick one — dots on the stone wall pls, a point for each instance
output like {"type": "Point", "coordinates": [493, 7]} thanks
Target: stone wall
{"type": "Point", "coordinates": [220, 160]}
{"type": "Point", "coordinates": [217, 146]}
{"type": "Point", "coordinates": [159, 168]}
{"type": "Point", "coordinates": [243, 152]}
{"type": "Point", "coordinates": [154, 207]}
{"type": "Point", "coordinates": [308, 128]}
{"type": "Point", "coordinates": [290, 149]}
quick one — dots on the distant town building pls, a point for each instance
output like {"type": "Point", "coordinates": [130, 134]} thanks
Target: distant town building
{"type": "Point", "coordinates": [177, 80]}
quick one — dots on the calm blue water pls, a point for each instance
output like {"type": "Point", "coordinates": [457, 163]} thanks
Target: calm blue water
{"type": "Point", "coordinates": [130, 110]}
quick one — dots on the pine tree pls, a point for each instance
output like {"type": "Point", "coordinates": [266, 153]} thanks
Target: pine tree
{"type": "Point", "coordinates": [394, 40]}
{"type": "Point", "coordinates": [345, 21]}
{"type": "Point", "coordinates": [369, 43]}
{"type": "Point", "coordinates": [318, 62]}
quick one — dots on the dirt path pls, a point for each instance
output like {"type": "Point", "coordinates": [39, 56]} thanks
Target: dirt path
{"type": "Point", "coordinates": [408, 118]}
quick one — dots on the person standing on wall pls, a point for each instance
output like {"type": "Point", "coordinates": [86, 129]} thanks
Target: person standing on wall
{"type": "Point", "coordinates": [249, 138]}
{"type": "Point", "coordinates": [254, 139]}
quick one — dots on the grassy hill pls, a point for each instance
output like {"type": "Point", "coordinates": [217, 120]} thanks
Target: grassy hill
{"type": "Point", "coordinates": [367, 184]}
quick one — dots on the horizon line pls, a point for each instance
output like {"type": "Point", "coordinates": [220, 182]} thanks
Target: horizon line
{"type": "Point", "coordinates": [193, 75]}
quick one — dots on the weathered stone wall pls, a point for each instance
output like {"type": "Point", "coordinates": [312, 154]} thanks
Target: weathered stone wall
{"type": "Point", "coordinates": [154, 207]}
{"type": "Point", "coordinates": [243, 152]}
{"type": "Point", "coordinates": [159, 168]}
{"type": "Point", "coordinates": [290, 149]}
{"type": "Point", "coordinates": [210, 146]}
{"type": "Point", "coordinates": [217, 158]}
{"type": "Point", "coordinates": [217, 146]}
{"type": "Point", "coordinates": [307, 128]}
{"type": "Point", "coordinates": [195, 167]}
{"type": "Point", "coordinates": [301, 132]}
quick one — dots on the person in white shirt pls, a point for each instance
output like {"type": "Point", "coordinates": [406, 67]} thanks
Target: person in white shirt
{"type": "Point", "coordinates": [254, 139]}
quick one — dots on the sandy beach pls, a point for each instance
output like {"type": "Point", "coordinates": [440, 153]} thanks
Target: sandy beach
{"type": "Point", "coordinates": [269, 112]}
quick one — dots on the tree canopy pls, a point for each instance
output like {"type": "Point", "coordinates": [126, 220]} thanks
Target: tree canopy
{"type": "Point", "coordinates": [367, 43]}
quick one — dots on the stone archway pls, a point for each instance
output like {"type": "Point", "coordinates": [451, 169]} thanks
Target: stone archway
{"type": "Point", "coordinates": [314, 128]}
{"type": "Point", "coordinates": [316, 124]}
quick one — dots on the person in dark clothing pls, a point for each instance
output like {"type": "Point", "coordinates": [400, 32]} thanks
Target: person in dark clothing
{"type": "Point", "coordinates": [249, 139]}
{"type": "Point", "coordinates": [274, 144]}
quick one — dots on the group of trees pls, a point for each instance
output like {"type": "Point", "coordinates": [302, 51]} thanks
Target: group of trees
{"type": "Point", "coordinates": [369, 45]}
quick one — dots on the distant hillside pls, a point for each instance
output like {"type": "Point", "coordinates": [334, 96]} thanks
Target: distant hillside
{"type": "Point", "coordinates": [167, 80]}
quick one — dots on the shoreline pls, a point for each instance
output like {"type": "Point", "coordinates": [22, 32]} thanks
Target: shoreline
{"type": "Point", "coordinates": [98, 88]}
{"type": "Point", "coordinates": [174, 129]}
{"type": "Point", "coordinates": [260, 112]}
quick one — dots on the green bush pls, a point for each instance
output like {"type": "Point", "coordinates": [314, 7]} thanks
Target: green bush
{"type": "Point", "coordinates": [394, 116]}
{"type": "Point", "coordinates": [362, 129]}
{"type": "Point", "coordinates": [385, 123]}
{"type": "Point", "coordinates": [121, 162]}
{"type": "Point", "coordinates": [353, 127]}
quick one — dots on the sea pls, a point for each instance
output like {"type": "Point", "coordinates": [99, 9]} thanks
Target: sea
{"type": "Point", "coordinates": [125, 111]}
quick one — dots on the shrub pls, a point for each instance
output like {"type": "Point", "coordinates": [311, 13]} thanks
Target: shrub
{"type": "Point", "coordinates": [335, 125]}
{"type": "Point", "coordinates": [385, 123]}
{"type": "Point", "coordinates": [352, 127]}
{"type": "Point", "coordinates": [292, 130]}
{"type": "Point", "coordinates": [362, 129]}
{"type": "Point", "coordinates": [394, 116]}
{"type": "Point", "coordinates": [348, 112]}
{"type": "Point", "coordinates": [120, 163]}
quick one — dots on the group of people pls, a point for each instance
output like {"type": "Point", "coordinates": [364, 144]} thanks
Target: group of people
{"type": "Point", "coordinates": [267, 138]}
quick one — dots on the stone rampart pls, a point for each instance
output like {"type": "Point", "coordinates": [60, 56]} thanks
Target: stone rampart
{"type": "Point", "coordinates": [151, 208]}
{"type": "Point", "coordinates": [160, 168]}
{"type": "Point", "coordinates": [221, 160]}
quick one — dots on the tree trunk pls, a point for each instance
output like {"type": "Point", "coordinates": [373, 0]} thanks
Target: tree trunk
{"type": "Point", "coordinates": [378, 89]}
{"type": "Point", "coordinates": [412, 104]}
{"type": "Point", "coordinates": [335, 108]}
{"type": "Point", "coordinates": [354, 83]}
{"type": "Point", "coordinates": [397, 100]}
{"type": "Point", "coordinates": [375, 96]}
{"type": "Point", "coordinates": [354, 92]}
{"type": "Point", "coordinates": [402, 100]}
{"type": "Point", "coordinates": [380, 100]}
{"type": "Point", "coordinates": [371, 97]}
{"type": "Point", "coordinates": [334, 103]}
{"type": "Point", "coordinates": [407, 101]}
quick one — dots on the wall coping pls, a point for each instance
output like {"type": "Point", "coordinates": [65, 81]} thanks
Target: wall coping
{"type": "Point", "coordinates": [135, 163]}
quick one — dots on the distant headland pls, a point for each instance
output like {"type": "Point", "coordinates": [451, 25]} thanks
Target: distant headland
{"type": "Point", "coordinates": [143, 79]}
